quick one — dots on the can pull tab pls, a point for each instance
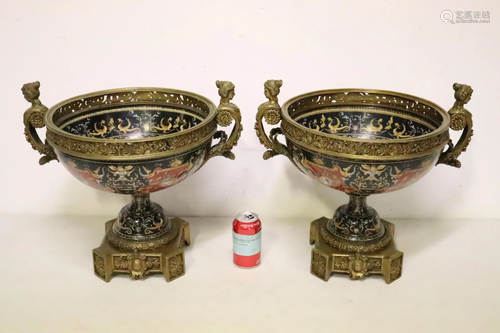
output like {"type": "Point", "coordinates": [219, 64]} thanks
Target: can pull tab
{"type": "Point", "coordinates": [249, 217]}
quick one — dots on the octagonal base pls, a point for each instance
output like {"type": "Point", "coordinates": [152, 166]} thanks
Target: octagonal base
{"type": "Point", "coordinates": [168, 259]}
{"type": "Point", "coordinates": [326, 260]}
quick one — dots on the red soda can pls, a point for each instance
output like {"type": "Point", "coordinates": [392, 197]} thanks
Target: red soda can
{"type": "Point", "coordinates": [247, 232]}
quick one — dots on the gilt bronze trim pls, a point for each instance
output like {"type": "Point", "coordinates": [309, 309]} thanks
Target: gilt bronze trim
{"type": "Point", "coordinates": [135, 141]}
{"type": "Point", "coordinates": [361, 142]}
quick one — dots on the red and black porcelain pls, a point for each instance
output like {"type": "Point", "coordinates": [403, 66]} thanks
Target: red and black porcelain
{"type": "Point", "coordinates": [363, 142]}
{"type": "Point", "coordinates": [134, 141]}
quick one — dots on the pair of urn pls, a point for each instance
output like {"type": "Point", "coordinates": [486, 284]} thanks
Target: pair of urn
{"type": "Point", "coordinates": [141, 140]}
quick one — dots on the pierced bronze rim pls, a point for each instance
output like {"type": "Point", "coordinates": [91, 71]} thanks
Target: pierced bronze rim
{"type": "Point", "coordinates": [441, 129]}
{"type": "Point", "coordinates": [122, 151]}
{"type": "Point", "coordinates": [352, 246]}
{"type": "Point", "coordinates": [131, 149]}
{"type": "Point", "coordinates": [372, 150]}
{"type": "Point", "coordinates": [52, 127]}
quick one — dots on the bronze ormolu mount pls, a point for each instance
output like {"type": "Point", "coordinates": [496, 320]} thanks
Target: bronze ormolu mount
{"type": "Point", "coordinates": [361, 142]}
{"type": "Point", "coordinates": [135, 141]}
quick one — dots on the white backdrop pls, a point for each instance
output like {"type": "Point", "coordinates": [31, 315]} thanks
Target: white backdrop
{"type": "Point", "coordinates": [75, 47]}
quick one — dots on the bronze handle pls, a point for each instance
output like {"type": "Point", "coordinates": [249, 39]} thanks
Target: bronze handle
{"type": "Point", "coordinates": [33, 119]}
{"type": "Point", "coordinates": [226, 113]}
{"type": "Point", "coordinates": [271, 112]}
{"type": "Point", "coordinates": [461, 119]}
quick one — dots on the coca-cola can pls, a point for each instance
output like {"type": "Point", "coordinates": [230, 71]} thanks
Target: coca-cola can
{"type": "Point", "coordinates": [247, 239]}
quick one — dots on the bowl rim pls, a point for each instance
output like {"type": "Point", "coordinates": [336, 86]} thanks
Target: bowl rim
{"type": "Point", "coordinates": [442, 128]}
{"type": "Point", "coordinates": [53, 128]}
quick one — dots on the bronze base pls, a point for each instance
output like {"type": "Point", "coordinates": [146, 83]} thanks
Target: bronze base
{"type": "Point", "coordinates": [168, 259]}
{"type": "Point", "coordinates": [326, 259]}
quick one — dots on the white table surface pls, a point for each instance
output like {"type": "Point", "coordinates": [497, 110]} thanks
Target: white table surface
{"type": "Point", "coordinates": [450, 282]}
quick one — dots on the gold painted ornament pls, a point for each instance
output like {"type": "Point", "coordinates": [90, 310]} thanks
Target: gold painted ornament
{"type": "Point", "coordinates": [361, 142]}
{"type": "Point", "coordinates": [135, 141]}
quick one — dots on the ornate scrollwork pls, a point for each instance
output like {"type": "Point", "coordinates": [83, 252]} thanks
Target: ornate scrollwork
{"type": "Point", "coordinates": [396, 268]}
{"type": "Point", "coordinates": [340, 263]}
{"type": "Point", "coordinates": [226, 93]}
{"type": "Point", "coordinates": [356, 148]}
{"type": "Point", "coordinates": [146, 245]}
{"type": "Point", "coordinates": [141, 220]}
{"type": "Point", "coordinates": [99, 266]}
{"type": "Point", "coordinates": [119, 97]}
{"type": "Point", "coordinates": [111, 149]}
{"type": "Point", "coordinates": [33, 119]}
{"type": "Point", "coordinates": [226, 113]}
{"type": "Point", "coordinates": [136, 150]}
{"type": "Point", "coordinates": [318, 265]}
{"type": "Point", "coordinates": [139, 265]}
{"type": "Point", "coordinates": [271, 112]}
{"type": "Point", "coordinates": [224, 118]}
{"type": "Point", "coordinates": [272, 116]}
{"type": "Point", "coordinates": [374, 264]}
{"type": "Point", "coordinates": [461, 119]}
{"type": "Point", "coordinates": [358, 267]}
{"type": "Point", "coordinates": [361, 225]}
{"type": "Point", "coordinates": [354, 246]}
{"type": "Point", "coordinates": [176, 266]}
{"type": "Point", "coordinates": [121, 263]}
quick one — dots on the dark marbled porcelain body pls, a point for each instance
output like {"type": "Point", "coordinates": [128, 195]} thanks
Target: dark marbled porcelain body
{"type": "Point", "coordinates": [135, 141]}
{"type": "Point", "coordinates": [361, 142]}
{"type": "Point", "coordinates": [148, 173]}
{"type": "Point", "coordinates": [364, 147]}
{"type": "Point", "coordinates": [129, 177]}
{"type": "Point", "coordinates": [361, 177]}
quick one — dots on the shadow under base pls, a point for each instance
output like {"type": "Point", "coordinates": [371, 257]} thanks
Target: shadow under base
{"type": "Point", "coordinates": [326, 260]}
{"type": "Point", "coordinates": [168, 259]}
